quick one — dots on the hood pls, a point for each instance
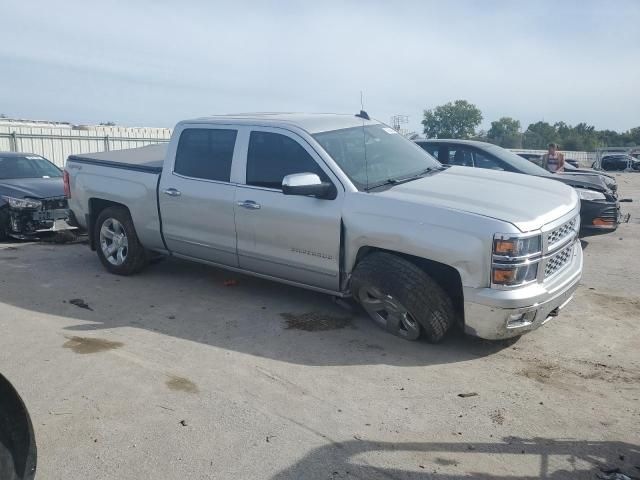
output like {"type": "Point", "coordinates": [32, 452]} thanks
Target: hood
{"type": "Point", "coordinates": [526, 201]}
{"type": "Point", "coordinates": [32, 187]}
{"type": "Point", "coordinates": [583, 180]}
{"type": "Point", "coordinates": [590, 171]}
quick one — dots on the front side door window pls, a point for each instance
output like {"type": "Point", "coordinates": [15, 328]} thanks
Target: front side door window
{"type": "Point", "coordinates": [272, 156]}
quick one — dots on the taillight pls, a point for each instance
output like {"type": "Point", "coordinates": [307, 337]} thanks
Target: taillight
{"type": "Point", "coordinates": [67, 188]}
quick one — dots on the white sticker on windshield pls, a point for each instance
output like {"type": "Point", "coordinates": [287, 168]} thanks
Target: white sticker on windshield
{"type": "Point", "coordinates": [389, 130]}
{"type": "Point", "coordinates": [34, 158]}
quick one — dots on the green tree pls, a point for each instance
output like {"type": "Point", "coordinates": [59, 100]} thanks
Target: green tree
{"type": "Point", "coordinates": [578, 137]}
{"type": "Point", "coordinates": [457, 119]}
{"type": "Point", "coordinates": [611, 138]}
{"type": "Point", "coordinates": [505, 132]}
{"type": "Point", "coordinates": [538, 135]}
{"type": "Point", "coordinates": [632, 137]}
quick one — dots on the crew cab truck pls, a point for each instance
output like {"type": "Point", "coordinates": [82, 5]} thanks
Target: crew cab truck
{"type": "Point", "coordinates": [341, 204]}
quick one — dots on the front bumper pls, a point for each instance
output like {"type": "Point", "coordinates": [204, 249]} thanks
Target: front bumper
{"type": "Point", "coordinates": [498, 314]}
{"type": "Point", "coordinates": [598, 217]}
{"type": "Point", "coordinates": [29, 224]}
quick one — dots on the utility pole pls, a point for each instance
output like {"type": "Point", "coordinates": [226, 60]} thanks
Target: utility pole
{"type": "Point", "coordinates": [397, 121]}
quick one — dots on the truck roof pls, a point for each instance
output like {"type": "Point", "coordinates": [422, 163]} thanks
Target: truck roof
{"type": "Point", "coordinates": [453, 140]}
{"type": "Point", "coordinates": [310, 122]}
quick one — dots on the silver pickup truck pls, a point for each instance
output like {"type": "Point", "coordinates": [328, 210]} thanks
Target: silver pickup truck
{"type": "Point", "coordinates": [344, 205]}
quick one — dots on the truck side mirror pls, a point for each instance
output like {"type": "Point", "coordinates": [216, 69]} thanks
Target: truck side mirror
{"type": "Point", "coordinates": [308, 185]}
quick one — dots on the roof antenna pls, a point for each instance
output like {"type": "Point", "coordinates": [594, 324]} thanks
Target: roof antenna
{"type": "Point", "coordinates": [364, 115]}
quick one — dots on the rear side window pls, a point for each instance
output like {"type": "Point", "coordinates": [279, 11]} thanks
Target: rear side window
{"type": "Point", "coordinates": [431, 149]}
{"type": "Point", "coordinates": [205, 153]}
{"type": "Point", "coordinates": [460, 156]}
{"type": "Point", "coordinates": [484, 160]}
{"type": "Point", "coordinates": [273, 156]}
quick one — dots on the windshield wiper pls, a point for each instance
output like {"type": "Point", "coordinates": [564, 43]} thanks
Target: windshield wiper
{"type": "Point", "coordinates": [388, 181]}
{"type": "Point", "coordinates": [396, 181]}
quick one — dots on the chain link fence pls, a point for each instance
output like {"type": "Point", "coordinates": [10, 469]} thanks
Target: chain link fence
{"type": "Point", "coordinates": [585, 159]}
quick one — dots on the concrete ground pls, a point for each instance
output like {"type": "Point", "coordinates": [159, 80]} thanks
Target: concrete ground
{"type": "Point", "coordinates": [175, 374]}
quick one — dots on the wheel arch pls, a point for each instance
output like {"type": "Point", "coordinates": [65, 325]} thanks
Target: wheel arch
{"type": "Point", "coordinates": [446, 276]}
{"type": "Point", "coordinates": [96, 207]}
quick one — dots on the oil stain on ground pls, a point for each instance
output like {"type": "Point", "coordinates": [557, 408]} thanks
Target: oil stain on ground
{"type": "Point", "coordinates": [85, 345]}
{"type": "Point", "coordinates": [315, 321]}
{"type": "Point", "coordinates": [181, 384]}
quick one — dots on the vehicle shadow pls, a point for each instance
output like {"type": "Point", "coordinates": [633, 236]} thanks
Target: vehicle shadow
{"type": "Point", "coordinates": [552, 459]}
{"type": "Point", "coordinates": [214, 307]}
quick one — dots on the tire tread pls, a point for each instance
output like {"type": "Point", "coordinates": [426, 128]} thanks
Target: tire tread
{"type": "Point", "coordinates": [418, 292]}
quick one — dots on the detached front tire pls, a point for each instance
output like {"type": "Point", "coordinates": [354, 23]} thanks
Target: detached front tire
{"type": "Point", "coordinates": [402, 298]}
{"type": "Point", "coordinates": [118, 246]}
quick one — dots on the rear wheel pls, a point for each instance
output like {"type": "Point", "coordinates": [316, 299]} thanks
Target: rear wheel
{"type": "Point", "coordinates": [401, 298]}
{"type": "Point", "coordinates": [118, 247]}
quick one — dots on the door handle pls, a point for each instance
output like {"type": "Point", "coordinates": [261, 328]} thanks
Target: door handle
{"type": "Point", "coordinates": [172, 192]}
{"type": "Point", "coordinates": [250, 204]}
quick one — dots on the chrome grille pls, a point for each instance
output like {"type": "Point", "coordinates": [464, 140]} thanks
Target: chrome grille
{"type": "Point", "coordinates": [558, 261]}
{"type": "Point", "coordinates": [561, 233]}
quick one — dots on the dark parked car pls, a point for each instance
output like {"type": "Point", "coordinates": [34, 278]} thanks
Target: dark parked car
{"type": "Point", "coordinates": [537, 159]}
{"type": "Point", "coordinates": [600, 209]}
{"type": "Point", "coordinates": [32, 200]}
{"type": "Point", "coordinates": [532, 157]}
{"type": "Point", "coordinates": [610, 180]}
{"type": "Point", "coordinates": [617, 163]}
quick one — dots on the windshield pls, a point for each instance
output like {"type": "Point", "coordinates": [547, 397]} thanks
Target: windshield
{"type": "Point", "coordinates": [375, 154]}
{"type": "Point", "coordinates": [28, 166]}
{"type": "Point", "coordinates": [516, 162]}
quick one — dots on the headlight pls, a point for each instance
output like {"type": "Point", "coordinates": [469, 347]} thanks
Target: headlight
{"type": "Point", "coordinates": [515, 259]}
{"type": "Point", "coordinates": [22, 202]}
{"type": "Point", "coordinates": [510, 276]}
{"type": "Point", "coordinates": [590, 194]}
{"type": "Point", "coordinates": [513, 246]}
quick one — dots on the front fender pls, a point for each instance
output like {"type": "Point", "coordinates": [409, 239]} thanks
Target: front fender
{"type": "Point", "coordinates": [467, 252]}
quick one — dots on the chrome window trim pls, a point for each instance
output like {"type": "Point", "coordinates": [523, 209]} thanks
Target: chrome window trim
{"type": "Point", "coordinates": [186, 177]}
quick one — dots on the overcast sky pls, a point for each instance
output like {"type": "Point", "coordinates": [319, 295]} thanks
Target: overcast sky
{"type": "Point", "coordinates": [152, 63]}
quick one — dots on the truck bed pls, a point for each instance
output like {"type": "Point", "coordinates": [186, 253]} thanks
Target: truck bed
{"type": "Point", "coordinates": [143, 159]}
{"type": "Point", "coordinates": [128, 178]}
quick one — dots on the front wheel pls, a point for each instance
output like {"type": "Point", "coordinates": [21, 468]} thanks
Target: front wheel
{"type": "Point", "coordinates": [401, 298]}
{"type": "Point", "coordinates": [118, 247]}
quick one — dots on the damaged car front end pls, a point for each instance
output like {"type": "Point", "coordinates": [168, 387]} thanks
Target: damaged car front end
{"type": "Point", "coordinates": [30, 218]}
{"type": "Point", "coordinates": [32, 201]}
{"type": "Point", "coordinates": [599, 211]}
